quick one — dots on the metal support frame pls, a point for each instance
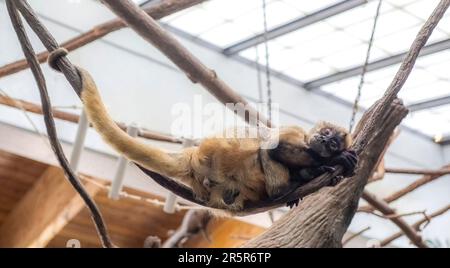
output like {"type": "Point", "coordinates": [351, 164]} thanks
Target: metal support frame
{"type": "Point", "coordinates": [376, 65]}
{"type": "Point", "coordinates": [294, 25]}
{"type": "Point", "coordinates": [78, 145]}
{"type": "Point", "coordinates": [122, 162]}
{"type": "Point", "coordinates": [429, 104]}
{"type": "Point", "coordinates": [171, 198]}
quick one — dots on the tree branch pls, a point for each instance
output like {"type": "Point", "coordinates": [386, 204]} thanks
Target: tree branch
{"type": "Point", "coordinates": [196, 71]}
{"type": "Point", "coordinates": [416, 225]}
{"type": "Point", "coordinates": [441, 172]}
{"type": "Point", "coordinates": [384, 208]}
{"type": "Point", "coordinates": [194, 222]}
{"type": "Point", "coordinates": [408, 189]}
{"type": "Point", "coordinates": [157, 11]}
{"type": "Point", "coordinates": [74, 118]}
{"type": "Point", "coordinates": [353, 236]}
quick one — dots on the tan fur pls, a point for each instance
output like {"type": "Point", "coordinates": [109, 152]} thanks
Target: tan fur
{"type": "Point", "coordinates": [232, 163]}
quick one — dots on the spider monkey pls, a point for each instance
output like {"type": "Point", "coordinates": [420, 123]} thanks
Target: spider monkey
{"type": "Point", "coordinates": [227, 172]}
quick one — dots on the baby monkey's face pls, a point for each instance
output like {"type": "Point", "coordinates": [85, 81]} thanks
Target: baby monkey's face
{"type": "Point", "coordinates": [328, 141]}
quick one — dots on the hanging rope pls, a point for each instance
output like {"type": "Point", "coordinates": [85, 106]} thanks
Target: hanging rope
{"type": "Point", "coordinates": [266, 48]}
{"type": "Point", "coordinates": [48, 116]}
{"type": "Point", "coordinates": [258, 76]}
{"type": "Point", "coordinates": [364, 70]}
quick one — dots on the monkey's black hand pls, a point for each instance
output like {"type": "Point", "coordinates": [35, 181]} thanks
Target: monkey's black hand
{"type": "Point", "coordinates": [292, 204]}
{"type": "Point", "coordinates": [336, 180]}
{"type": "Point", "coordinates": [304, 175]}
{"type": "Point", "coordinates": [348, 160]}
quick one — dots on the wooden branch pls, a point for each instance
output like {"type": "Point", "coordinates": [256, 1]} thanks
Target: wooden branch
{"type": "Point", "coordinates": [44, 210]}
{"type": "Point", "coordinates": [384, 208]}
{"type": "Point", "coordinates": [74, 118]}
{"type": "Point", "coordinates": [416, 226]}
{"type": "Point", "coordinates": [196, 71]}
{"type": "Point", "coordinates": [440, 172]}
{"type": "Point", "coordinates": [157, 11]}
{"type": "Point", "coordinates": [391, 216]}
{"type": "Point", "coordinates": [224, 233]}
{"type": "Point", "coordinates": [194, 222]}
{"type": "Point", "coordinates": [353, 236]}
{"type": "Point", "coordinates": [379, 172]}
{"type": "Point", "coordinates": [408, 189]}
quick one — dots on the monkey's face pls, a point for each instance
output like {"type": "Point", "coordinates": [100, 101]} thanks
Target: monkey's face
{"type": "Point", "coordinates": [328, 140]}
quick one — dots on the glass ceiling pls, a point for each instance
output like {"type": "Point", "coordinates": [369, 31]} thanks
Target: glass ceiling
{"type": "Point", "coordinates": [335, 44]}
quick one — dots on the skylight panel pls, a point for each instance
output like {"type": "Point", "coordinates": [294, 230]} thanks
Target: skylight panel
{"type": "Point", "coordinates": [346, 91]}
{"type": "Point", "coordinates": [306, 34]}
{"type": "Point", "coordinates": [307, 71]}
{"type": "Point", "coordinates": [425, 92]}
{"type": "Point", "coordinates": [382, 74]}
{"type": "Point", "coordinates": [400, 41]}
{"type": "Point", "coordinates": [429, 122]}
{"type": "Point", "coordinates": [419, 77]}
{"type": "Point", "coordinates": [226, 34]}
{"type": "Point", "coordinates": [443, 110]}
{"type": "Point", "coordinates": [444, 24]}
{"type": "Point", "coordinates": [422, 9]}
{"type": "Point", "coordinates": [277, 13]}
{"type": "Point", "coordinates": [441, 70]}
{"type": "Point", "coordinates": [357, 15]}
{"type": "Point", "coordinates": [395, 21]}
{"type": "Point", "coordinates": [401, 3]}
{"type": "Point", "coordinates": [196, 21]}
{"type": "Point", "coordinates": [231, 9]}
{"type": "Point", "coordinates": [308, 6]}
{"type": "Point", "coordinates": [352, 56]}
{"type": "Point", "coordinates": [434, 59]}
{"type": "Point", "coordinates": [277, 53]}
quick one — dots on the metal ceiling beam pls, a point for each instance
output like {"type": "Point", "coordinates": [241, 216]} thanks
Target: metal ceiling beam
{"type": "Point", "coordinates": [445, 141]}
{"type": "Point", "coordinates": [294, 25]}
{"type": "Point", "coordinates": [429, 104]}
{"type": "Point", "coordinates": [148, 3]}
{"type": "Point", "coordinates": [376, 65]}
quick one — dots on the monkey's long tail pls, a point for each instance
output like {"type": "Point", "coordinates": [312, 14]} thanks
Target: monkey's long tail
{"type": "Point", "coordinates": [150, 157]}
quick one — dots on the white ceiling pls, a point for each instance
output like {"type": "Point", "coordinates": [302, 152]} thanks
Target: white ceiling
{"type": "Point", "coordinates": [335, 44]}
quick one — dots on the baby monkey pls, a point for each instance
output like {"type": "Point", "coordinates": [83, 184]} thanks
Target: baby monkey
{"type": "Point", "coordinates": [327, 146]}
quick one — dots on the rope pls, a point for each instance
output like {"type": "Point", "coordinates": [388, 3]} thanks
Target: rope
{"type": "Point", "coordinates": [258, 76]}
{"type": "Point", "coordinates": [364, 71]}
{"type": "Point", "coordinates": [266, 48]}
{"type": "Point", "coordinates": [31, 57]}
{"type": "Point", "coordinates": [54, 56]}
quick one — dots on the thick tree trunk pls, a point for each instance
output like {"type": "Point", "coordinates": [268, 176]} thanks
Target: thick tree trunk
{"type": "Point", "coordinates": [322, 218]}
